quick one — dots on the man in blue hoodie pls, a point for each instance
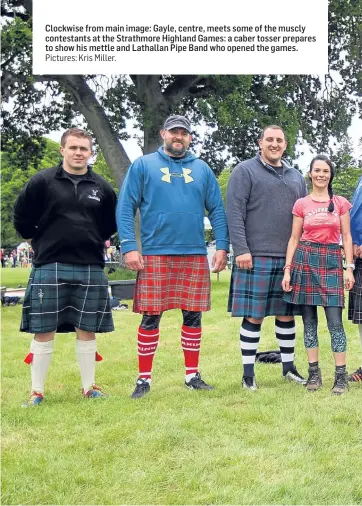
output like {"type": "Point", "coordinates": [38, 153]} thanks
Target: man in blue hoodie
{"type": "Point", "coordinates": [171, 188]}
{"type": "Point", "coordinates": [355, 295]}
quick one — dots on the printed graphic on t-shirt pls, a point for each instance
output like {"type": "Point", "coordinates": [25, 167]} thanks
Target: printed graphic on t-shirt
{"type": "Point", "coordinates": [320, 216]}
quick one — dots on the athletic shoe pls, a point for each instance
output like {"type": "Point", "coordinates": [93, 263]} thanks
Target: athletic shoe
{"type": "Point", "coordinates": [293, 375]}
{"type": "Point", "coordinates": [356, 376]}
{"type": "Point", "coordinates": [34, 400]}
{"type": "Point", "coordinates": [249, 383]}
{"type": "Point", "coordinates": [142, 388]}
{"type": "Point", "coordinates": [196, 383]}
{"type": "Point", "coordinates": [314, 381]}
{"type": "Point", "coordinates": [340, 383]}
{"type": "Point", "coordinates": [94, 392]}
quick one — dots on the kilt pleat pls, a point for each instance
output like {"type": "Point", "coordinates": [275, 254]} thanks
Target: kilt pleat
{"type": "Point", "coordinates": [355, 295]}
{"type": "Point", "coordinates": [172, 282]}
{"type": "Point", "coordinates": [257, 292]}
{"type": "Point", "coordinates": [317, 275]}
{"type": "Point", "coordinates": [60, 297]}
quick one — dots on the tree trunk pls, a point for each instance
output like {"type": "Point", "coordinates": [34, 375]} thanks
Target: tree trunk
{"type": "Point", "coordinates": [86, 103]}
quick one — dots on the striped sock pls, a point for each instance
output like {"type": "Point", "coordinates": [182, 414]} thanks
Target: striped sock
{"type": "Point", "coordinates": [285, 333]}
{"type": "Point", "coordinates": [249, 340]}
{"type": "Point", "coordinates": [147, 346]}
{"type": "Point", "coordinates": [190, 342]}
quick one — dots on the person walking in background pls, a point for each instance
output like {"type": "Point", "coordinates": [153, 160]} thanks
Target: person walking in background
{"type": "Point", "coordinates": [67, 212]}
{"type": "Point", "coordinates": [355, 295]}
{"type": "Point", "coordinates": [313, 271]}
{"type": "Point", "coordinates": [172, 189]}
{"type": "Point", "coordinates": [14, 258]}
{"type": "Point", "coordinates": [261, 193]}
{"type": "Point", "coordinates": [2, 256]}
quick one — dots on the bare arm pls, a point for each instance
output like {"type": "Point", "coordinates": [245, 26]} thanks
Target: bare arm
{"type": "Point", "coordinates": [297, 231]}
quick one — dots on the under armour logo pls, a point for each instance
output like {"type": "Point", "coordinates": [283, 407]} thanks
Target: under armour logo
{"type": "Point", "coordinates": [185, 174]}
{"type": "Point", "coordinates": [94, 192]}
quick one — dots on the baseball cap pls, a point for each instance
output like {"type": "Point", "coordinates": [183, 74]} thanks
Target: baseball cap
{"type": "Point", "coordinates": [177, 122]}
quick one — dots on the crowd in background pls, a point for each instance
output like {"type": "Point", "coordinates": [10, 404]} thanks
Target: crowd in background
{"type": "Point", "coordinates": [16, 257]}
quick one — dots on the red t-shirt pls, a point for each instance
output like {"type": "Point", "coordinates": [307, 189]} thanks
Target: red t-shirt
{"type": "Point", "coordinates": [319, 225]}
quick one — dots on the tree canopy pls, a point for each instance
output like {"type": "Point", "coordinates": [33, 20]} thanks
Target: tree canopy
{"type": "Point", "coordinates": [234, 108]}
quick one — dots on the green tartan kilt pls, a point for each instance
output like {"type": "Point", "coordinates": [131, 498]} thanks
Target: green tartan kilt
{"type": "Point", "coordinates": [60, 297]}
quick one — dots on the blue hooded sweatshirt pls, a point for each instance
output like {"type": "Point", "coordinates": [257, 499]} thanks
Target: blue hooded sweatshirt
{"type": "Point", "coordinates": [356, 214]}
{"type": "Point", "coordinates": [172, 195]}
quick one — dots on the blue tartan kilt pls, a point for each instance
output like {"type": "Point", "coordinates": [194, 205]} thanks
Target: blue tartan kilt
{"type": "Point", "coordinates": [60, 297]}
{"type": "Point", "coordinates": [355, 295]}
{"type": "Point", "coordinates": [257, 292]}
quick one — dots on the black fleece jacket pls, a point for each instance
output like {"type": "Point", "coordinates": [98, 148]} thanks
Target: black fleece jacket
{"type": "Point", "coordinates": [67, 222]}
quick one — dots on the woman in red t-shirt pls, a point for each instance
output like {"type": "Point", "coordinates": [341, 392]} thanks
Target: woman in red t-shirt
{"type": "Point", "coordinates": [313, 272]}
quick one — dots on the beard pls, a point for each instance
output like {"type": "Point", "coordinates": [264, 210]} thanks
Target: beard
{"type": "Point", "coordinates": [178, 152]}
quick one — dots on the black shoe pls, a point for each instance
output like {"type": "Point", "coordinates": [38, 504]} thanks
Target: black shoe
{"type": "Point", "coordinates": [196, 383]}
{"type": "Point", "coordinates": [249, 383]}
{"type": "Point", "coordinates": [356, 376]}
{"type": "Point", "coordinates": [293, 375]}
{"type": "Point", "coordinates": [142, 388]}
{"type": "Point", "coordinates": [314, 379]}
{"type": "Point", "coordinates": [340, 383]}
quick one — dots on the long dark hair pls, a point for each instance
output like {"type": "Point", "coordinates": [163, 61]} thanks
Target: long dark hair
{"type": "Point", "coordinates": [325, 158]}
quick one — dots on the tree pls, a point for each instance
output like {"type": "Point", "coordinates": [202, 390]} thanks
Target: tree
{"type": "Point", "coordinates": [233, 107]}
{"type": "Point", "coordinates": [13, 178]}
{"type": "Point", "coordinates": [223, 180]}
{"type": "Point", "coordinates": [348, 170]}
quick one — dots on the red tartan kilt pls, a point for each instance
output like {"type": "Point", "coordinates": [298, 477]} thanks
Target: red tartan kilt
{"type": "Point", "coordinates": [172, 282]}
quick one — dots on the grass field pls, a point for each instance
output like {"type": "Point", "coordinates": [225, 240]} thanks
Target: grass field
{"type": "Point", "coordinates": [279, 445]}
{"type": "Point", "coordinates": [12, 278]}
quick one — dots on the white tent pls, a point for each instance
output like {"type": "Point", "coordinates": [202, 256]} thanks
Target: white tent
{"type": "Point", "coordinates": [23, 245]}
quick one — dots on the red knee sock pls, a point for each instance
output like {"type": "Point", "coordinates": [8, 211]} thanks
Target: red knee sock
{"type": "Point", "coordinates": [147, 345]}
{"type": "Point", "coordinates": [190, 342]}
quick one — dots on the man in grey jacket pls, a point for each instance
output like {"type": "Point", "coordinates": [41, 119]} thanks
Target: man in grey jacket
{"type": "Point", "coordinates": [260, 197]}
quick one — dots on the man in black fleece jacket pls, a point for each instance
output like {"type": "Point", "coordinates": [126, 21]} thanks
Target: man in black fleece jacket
{"type": "Point", "coordinates": [67, 212]}
{"type": "Point", "coordinates": [260, 197]}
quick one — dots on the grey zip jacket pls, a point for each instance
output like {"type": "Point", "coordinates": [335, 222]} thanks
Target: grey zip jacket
{"type": "Point", "coordinates": [259, 207]}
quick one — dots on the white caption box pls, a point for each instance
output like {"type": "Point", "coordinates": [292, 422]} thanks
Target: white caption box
{"type": "Point", "coordinates": [204, 37]}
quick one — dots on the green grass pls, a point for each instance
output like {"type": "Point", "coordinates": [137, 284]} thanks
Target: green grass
{"type": "Point", "coordinates": [279, 445]}
{"type": "Point", "coordinates": [12, 278]}
{"type": "Point", "coordinates": [120, 273]}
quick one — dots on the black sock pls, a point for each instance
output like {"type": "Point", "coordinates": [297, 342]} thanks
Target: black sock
{"type": "Point", "coordinates": [340, 368]}
{"type": "Point", "coordinates": [314, 365]}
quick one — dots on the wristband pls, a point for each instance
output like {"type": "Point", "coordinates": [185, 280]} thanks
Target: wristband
{"type": "Point", "coordinates": [286, 267]}
{"type": "Point", "coordinates": [352, 266]}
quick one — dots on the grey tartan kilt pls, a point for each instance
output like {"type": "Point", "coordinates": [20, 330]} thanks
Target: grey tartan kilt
{"type": "Point", "coordinates": [60, 297]}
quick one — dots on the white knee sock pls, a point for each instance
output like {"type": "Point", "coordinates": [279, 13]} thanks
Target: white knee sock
{"type": "Point", "coordinates": [86, 353]}
{"type": "Point", "coordinates": [42, 355]}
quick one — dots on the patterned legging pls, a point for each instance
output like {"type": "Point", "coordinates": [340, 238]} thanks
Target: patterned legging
{"type": "Point", "coordinates": [335, 327]}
